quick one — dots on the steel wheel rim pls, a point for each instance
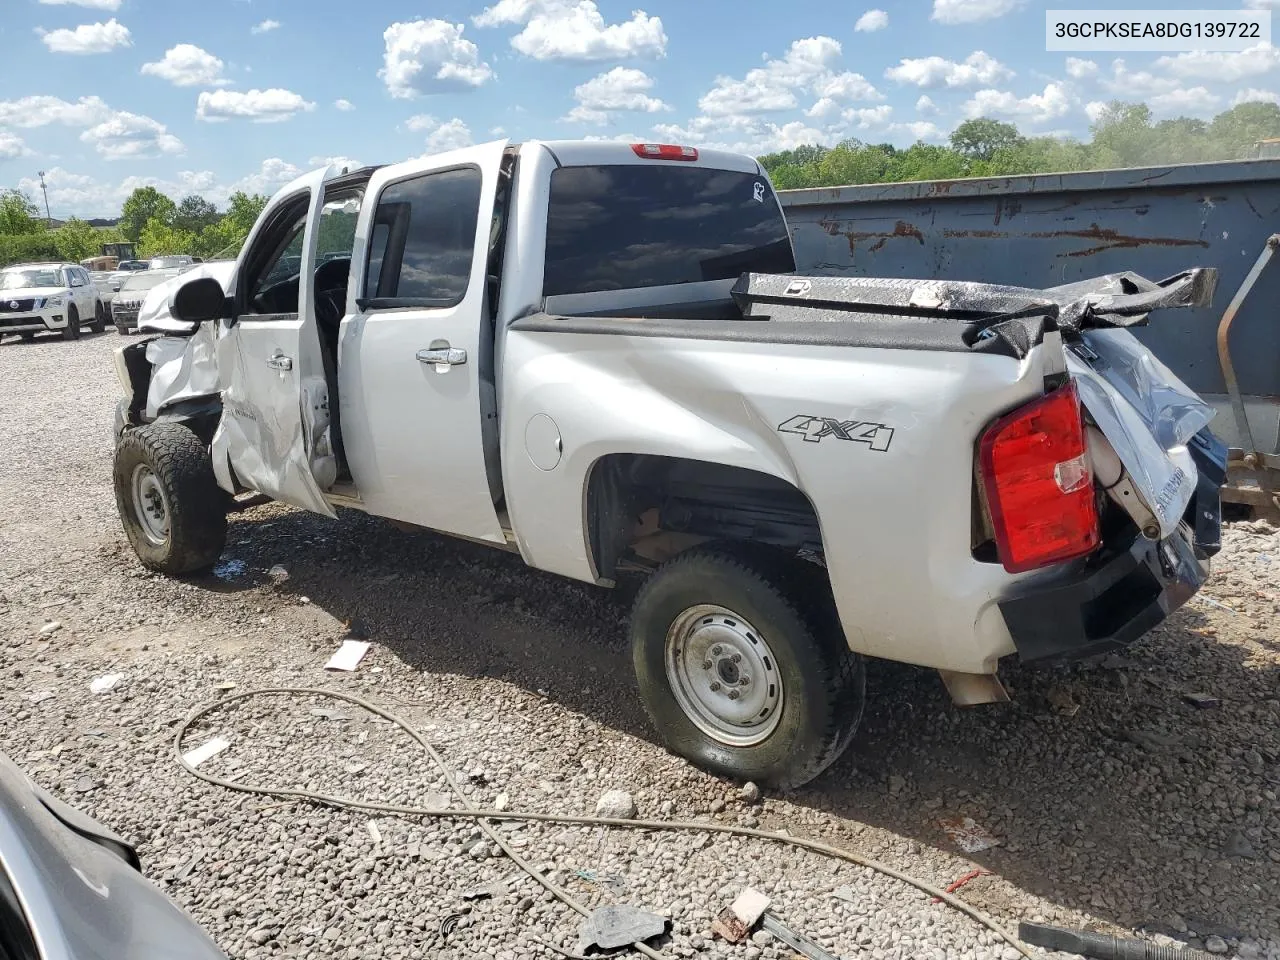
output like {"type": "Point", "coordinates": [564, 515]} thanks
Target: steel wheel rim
{"type": "Point", "coordinates": [150, 505]}
{"type": "Point", "coordinates": [710, 651]}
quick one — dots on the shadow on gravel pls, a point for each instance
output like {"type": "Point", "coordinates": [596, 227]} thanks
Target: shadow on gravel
{"type": "Point", "coordinates": [1109, 792]}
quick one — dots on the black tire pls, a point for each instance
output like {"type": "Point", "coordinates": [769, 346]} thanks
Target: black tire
{"type": "Point", "coordinates": [196, 508]}
{"type": "Point", "coordinates": [99, 318]}
{"type": "Point", "coordinates": [72, 330]}
{"type": "Point", "coordinates": [27, 336]}
{"type": "Point", "coordinates": [122, 329]}
{"type": "Point", "coordinates": [789, 605]}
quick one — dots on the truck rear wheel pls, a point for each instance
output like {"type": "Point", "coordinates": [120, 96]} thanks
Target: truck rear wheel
{"type": "Point", "coordinates": [172, 509]}
{"type": "Point", "coordinates": [743, 668]}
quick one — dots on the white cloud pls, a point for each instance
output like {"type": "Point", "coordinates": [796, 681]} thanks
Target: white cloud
{"type": "Point", "coordinates": [575, 30]}
{"type": "Point", "coordinates": [266, 26]}
{"type": "Point", "coordinates": [977, 69]}
{"type": "Point", "coordinates": [88, 38]}
{"type": "Point", "coordinates": [925, 106]}
{"type": "Point", "coordinates": [186, 65]}
{"type": "Point", "coordinates": [1254, 95]}
{"type": "Point", "coordinates": [1129, 84]}
{"type": "Point", "coordinates": [499, 132]}
{"type": "Point", "coordinates": [258, 106]}
{"type": "Point", "coordinates": [41, 111]}
{"type": "Point", "coordinates": [1221, 66]}
{"type": "Point", "coordinates": [922, 130]}
{"type": "Point", "coordinates": [420, 122]}
{"type": "Point", "coordinates": [1094, 109]}
{"type": "Point", "coordinates": [1054, 102]}
{"type": "Point", "coordinates": [12, 146]}
{"type": "Point", "coordinates": [1193, 100]}
{"type": "Point", "coordinates": [869, 118]}
{"type": "Point", "coordinates": [808, 64]}
{"type": "Point", "coordinates": [451, 135]}
{"type": "Point", "coordinates": [1081, 69]}
{"type": "Point", "coordinates": [972, 11]}
{"type": "Point", "coordinates": [129, 136]}
{"type": "Point", "coordinates": [111, 5]}
{"type": "Point", "coordinates": [270, 177]}
{"type": "Point", "coordinates": [335, 162]}
{"type": "Point", "coordinates": [620, 89]}
{"type": "Point", "coordinates": [344, 105]}
{"type": "Point", "coordinates": [871, 21]}
{"type": "Point", "coordinates": [430, 56]}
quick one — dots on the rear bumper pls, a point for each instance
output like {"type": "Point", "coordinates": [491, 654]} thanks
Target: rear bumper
{"type": "Point", "coordinates": [1128, 587]}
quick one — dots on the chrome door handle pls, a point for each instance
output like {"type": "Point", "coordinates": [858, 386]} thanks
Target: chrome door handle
{"type": "Point", "coordinates": [443, 356]}
{"type": "Point", "coordinates": [280, 362]}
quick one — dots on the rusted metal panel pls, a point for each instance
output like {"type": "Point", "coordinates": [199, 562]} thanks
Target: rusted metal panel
{"type": "Point", "coordinates": [1046, 230]}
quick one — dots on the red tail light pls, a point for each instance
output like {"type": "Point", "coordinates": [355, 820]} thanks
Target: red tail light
{"type": "Point", "coordinates": [664, 151]}
{"type": "Point", "coordinates": [1039, 483]}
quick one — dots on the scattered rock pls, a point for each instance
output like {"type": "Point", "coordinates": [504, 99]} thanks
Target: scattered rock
{"type": "Point", "coordinates": [1216, 945]}
{"type": "Point", "coordinates": [53, 626]}
{"type": "Point", "coordinates": [278, 574]}
{"type": "Point", "coordinates": [718, 805]}
{"type": "Point", "coordinates": [1238, 845]}
{"type": "Point", "coordinates": [749, 793]}
{"type": "Point", "coordinates": [616, 805]}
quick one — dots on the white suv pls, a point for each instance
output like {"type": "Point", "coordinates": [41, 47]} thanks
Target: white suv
{"type": "Point", "coordinates": [35, 297]}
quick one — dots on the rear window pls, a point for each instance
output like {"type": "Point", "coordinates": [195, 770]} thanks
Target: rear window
{"type": "Point", "coordinates": [626, 227]}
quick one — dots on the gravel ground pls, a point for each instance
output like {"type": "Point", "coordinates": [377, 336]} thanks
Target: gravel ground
{"type": "Point", "coordinates": [1117, 804]}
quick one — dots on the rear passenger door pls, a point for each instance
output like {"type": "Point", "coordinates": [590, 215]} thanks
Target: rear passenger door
{"type": "Point", "coordinates": [415, 367]}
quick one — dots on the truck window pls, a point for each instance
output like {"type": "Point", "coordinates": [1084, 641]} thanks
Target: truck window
{"type": "Point", "coordinates": [634, 226]}
{"type": "Point", "coordinates": [423, 239]}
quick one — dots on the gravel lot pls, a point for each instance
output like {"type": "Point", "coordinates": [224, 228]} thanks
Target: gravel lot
{"type": "Point", "coordinates": [1118, 805]}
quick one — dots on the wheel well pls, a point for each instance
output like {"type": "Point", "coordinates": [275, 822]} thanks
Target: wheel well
{"type": "Point", "coordinates": [644, 509]}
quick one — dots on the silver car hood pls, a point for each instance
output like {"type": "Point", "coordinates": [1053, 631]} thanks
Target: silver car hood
{"type": "Point", "coordinates": [80, 901]}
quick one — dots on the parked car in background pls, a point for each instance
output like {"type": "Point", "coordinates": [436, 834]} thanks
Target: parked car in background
{"type": "Point", "coordinates": [70, 889]}
{"type": "Point", "coordinates": [102, 280]}
{"type": "Point", "coordinates": [164, 263]}
{"type": "Point", "coordinates": [128, 299]}
{"type": "Point", "coordinates": [56, 297]}
{"type": "Point", "coordinates": [125, 270]}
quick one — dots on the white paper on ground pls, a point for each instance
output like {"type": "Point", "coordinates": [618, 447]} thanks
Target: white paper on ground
{"type": "Point", "coordinates": [348, 656]}
{"type": "Point", "coordinates": [105, 683]}
{"type": "Point", "coordinates": [212, 746]}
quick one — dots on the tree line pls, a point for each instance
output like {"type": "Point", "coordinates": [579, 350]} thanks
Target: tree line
{"type": "Point", "coordinates": [157, 223]}
{"type": "Point", "coordinates": [1122, 135]}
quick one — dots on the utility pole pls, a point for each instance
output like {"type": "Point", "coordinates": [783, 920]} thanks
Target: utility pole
{"type": "Point", "coordinates": [48, 218]}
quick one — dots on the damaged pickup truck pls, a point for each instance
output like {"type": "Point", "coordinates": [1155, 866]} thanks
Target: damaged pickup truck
{"type": "Point", "coordinates": [594, 354]}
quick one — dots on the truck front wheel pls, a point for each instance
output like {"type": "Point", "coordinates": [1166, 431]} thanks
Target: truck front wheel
{"type": "Point", "coordinates": [743, 668]}
{"type": "Point", "coordinates": [172, 509]}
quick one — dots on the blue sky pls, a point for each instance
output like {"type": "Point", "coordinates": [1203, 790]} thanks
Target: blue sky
{"type": "Point", "coordinates": [210, 96]}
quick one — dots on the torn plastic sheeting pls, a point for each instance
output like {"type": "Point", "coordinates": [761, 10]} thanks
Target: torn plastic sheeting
{"type": "Point", "coordinates": [1146, 413]}
{"type": "Point", "coordinates": [183, 368]}
{"type": "Point", "coordinates": [618, 925]}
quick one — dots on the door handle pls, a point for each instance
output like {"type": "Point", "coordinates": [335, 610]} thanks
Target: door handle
{"type": "Point", "coordinates": [280, 362]}
{"type": "Point", "coordinates": [443, 356]}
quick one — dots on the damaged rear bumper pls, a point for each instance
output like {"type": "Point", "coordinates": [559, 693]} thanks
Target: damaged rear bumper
{"type": "Point", "coordinates": [1128, 587]}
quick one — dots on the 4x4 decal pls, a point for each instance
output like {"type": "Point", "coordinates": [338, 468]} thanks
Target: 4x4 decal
{"type": "Point", "coordinates": [815, 429]}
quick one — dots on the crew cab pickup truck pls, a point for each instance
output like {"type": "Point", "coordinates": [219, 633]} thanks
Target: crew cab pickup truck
{"type": "Point", "coordinates": [596, 354]}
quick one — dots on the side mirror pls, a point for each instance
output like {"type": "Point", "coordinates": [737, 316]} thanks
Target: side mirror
{"type": "Point", "coordinates": [199, 300]}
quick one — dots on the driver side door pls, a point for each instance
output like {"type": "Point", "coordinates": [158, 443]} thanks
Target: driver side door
{"type": "Point", "coordinates": [274, 431]}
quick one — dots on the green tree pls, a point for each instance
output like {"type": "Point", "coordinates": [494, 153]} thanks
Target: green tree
{"type": "Point", "coordinates": [76, 240]}
{"type": "Point", "coordinates": [243, 210]}
{"type": "Point", "coordinates": [144, 205]}
{"type": "Point", "coordinates": [18, 214]}
{"type": "Point", "coordinates": [194, 213]}
{"type": "Point", "coordinates": [1238, 130]}
{"type": "Point", "coordinates": [159, 238]}
{"type": "Point", "coordinates": [982, 137]}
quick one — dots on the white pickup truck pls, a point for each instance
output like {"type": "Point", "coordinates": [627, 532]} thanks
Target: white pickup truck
{"type": "Point", "coordinates": [595, 354]}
